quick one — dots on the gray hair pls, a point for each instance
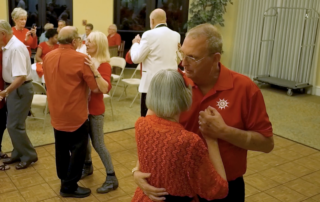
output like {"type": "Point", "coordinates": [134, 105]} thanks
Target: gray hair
{"type": "Point", "coordinates": [17, 12]}
{"type": "Point", "coordinates": [5, 27]}
{"type": "Point", "coordinates": [67, 37]}
{"type": "Point", "coordinates": [113, 26]}
{"type": "Point", "coordinates": [168, 95]}
{"type": "Point", "coordinates": [214, 39]}
{"type": "Point", "coordinates": [48, 26]}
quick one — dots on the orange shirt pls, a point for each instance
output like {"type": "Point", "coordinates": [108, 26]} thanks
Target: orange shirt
{"type": "Point", "coordinates": [46, 48]}
{"type": "Point", "coordinates": [96, 104]}
{"type": "Point", "coordinates": [241, 104]}
{"type": "Point", "coordinates": [21, 35]}
{"type": "Point", "coordinates": [67, 80]}
{"type": "Point", "coordinates": [115, 40]}
{"type": "Point", "coordinates": [2, 103]}
{"type": "Point", "coordinates": [177, 159]}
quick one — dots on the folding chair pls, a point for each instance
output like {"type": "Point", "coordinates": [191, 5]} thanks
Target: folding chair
{"type": "Point", "coordinates": [117, 62]}
{"type": "Point", "coordinates": [40, 100]}
{"type": "Point", "coordinates": [131, 82]}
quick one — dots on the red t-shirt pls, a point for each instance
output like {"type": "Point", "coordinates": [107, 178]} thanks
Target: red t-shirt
{"type": "Point", "coordinates": [96, 104]}
{"type": "Point", "coordinates": [21, 35]}
{"type": "Point", "coordinates": [46, 48]}
{"type": "Point", "coordinates": [115, 40]}
{"type": "Point", "coordinates": [241, 104]}
{"type": "Point", "coordinates": [2, 103]}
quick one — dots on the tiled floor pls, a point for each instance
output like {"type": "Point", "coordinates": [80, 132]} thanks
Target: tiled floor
{"type": "Point", "coordinates": [290, 173]}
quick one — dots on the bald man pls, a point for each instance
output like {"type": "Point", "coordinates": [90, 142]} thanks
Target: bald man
{"type": "Point", "coordinates": [156, 50]}
{"type": "Point", "coordinates": [67, 81]}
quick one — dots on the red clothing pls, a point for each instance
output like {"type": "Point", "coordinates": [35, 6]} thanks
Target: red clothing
{"type": "Point", "coordinates": [46, 48]}
{"type": "Point", "coordinates": [67, 79]}
{"type": "Point", "coordinates": [241, 104]}
{"type": "Point", "coordinates": [177, 159]}
{"type": "Point", "coordinates": [2, 103]}
{"type": "Point", "coordinates": [128, 60]}
{"type": "Point", "coordinates": [115, 40]}
{"type": "Point", "coordinates": [96, 104]}
{"type": "Point", "coordinates": [21, 35]}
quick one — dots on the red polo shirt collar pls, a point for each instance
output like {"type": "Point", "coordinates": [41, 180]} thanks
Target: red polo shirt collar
{"type": "Point", "coordinates": [224, 82]}
{"type": "Point", "coordinates": [66, 46]}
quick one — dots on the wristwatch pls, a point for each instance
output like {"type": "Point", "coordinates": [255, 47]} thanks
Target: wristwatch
{"type": "Point", "coordinates": [97, 76]}
{"type": "Point", "coordinates": [134, 170]}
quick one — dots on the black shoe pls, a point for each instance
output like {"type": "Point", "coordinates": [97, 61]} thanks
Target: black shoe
{"type": "Point", "coordinates": [110, 184]}
{"type": "Point", "coordinates": [81, 192]}
{"type": "Point", "coordinates": [86, 171]}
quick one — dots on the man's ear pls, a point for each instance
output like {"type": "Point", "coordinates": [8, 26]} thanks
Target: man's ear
{"type": "Point", "coordinates": [216, 57]}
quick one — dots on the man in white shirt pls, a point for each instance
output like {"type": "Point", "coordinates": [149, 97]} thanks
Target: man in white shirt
{"type": "Point", "coordinates": [88, 29]}
{"type": "Point", "coordinates": [157, 50]}
{"type": "Point", "coordinates": [16, 72]}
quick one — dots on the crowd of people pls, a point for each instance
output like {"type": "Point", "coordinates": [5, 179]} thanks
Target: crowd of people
{"type": "Point", "coordinates": [196, 125]}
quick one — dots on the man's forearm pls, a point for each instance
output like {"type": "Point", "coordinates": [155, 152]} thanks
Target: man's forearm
{"type": "Point", "coordinates": [17, 82]}
{"type": "Point", "coordinates": [248, 140]}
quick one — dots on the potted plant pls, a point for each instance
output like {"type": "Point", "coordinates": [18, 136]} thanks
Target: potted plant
{"type": "Point", "coordinates": [207, 11]}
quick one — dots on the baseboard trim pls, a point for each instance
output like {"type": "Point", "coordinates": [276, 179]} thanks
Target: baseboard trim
{"type": "Point", "coordinates": [317, 90]}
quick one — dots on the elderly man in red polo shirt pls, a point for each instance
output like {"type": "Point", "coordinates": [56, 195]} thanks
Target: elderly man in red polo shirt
{"type": "Point", "coordinates": [238, 113]}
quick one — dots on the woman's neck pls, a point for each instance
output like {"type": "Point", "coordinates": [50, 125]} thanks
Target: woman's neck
{"type": "Point", "coordinates": [174, 118]}
{"type": "Point", "coordinates": [49, 43]}
{"type": "Point", "coordinates": [18, 28]}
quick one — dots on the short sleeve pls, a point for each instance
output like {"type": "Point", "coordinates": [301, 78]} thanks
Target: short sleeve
{"type": "Point", "coordinates": [105, 71]}
{"type": "Point", "coordinates": [89, 77]}
{"type": "Point", "coordinates": [19, 63]}
{"type": "Point", "coordinates": [257, 118]}
{"type": "Point", "coordinates": [41, 45]}
{"type": "Point", "coordinates": [204, 179]}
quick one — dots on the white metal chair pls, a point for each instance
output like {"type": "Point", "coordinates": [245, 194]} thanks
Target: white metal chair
{"type": "Point", "coordinates": [107, 97]}
{"type": "Point", "coordinates": [117, 62]}
{"type": "Point", "coordinates": [131, 82]}
{"type": "Point", "coordinates": [40, 100]}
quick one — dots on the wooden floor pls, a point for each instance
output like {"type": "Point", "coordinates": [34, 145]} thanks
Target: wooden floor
{"type": "Point", "coordinates": [289, 173]}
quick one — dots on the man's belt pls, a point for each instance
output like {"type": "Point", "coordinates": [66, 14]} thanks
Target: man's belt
{"type": "Point", "coordinates": [22, 84]}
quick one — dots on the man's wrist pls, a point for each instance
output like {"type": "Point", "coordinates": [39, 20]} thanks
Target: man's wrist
{"type": "Point", "coordinates": [225, 132]}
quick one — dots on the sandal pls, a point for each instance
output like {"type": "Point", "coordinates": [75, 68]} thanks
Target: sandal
{"type": "Point", "coordinates": [4, 167]}
{"type": "Point", "coordinates": [3, 155]}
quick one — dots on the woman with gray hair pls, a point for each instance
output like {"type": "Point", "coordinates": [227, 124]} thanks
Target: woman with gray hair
{"type": "Point", "coordinates": [174, 158]}
{"type": "Point", "coordinates": [28, 37]}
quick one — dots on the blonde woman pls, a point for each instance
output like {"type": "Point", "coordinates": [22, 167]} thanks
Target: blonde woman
{"type": "Point", "coordinates": [28, 37]}
{"type": "Point", "coordinates": [97, 49]}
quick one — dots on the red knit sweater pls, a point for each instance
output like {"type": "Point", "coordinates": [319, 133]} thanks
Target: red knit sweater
{"type": "Point", "coordinates": [178, 161]}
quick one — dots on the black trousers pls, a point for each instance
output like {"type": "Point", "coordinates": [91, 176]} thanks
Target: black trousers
{"type": "Point", "coordinates": [143, 109]}
{"type": "Point", "coordinates": [3, 123]}
{"type": "Point", "coordinates": [236, 192]}
{"type": "Point", "coordinates": [71, 148]}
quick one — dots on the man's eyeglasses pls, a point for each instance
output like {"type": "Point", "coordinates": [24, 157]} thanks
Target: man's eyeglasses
{"type": "Point", "coordinates": [190, 59]}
